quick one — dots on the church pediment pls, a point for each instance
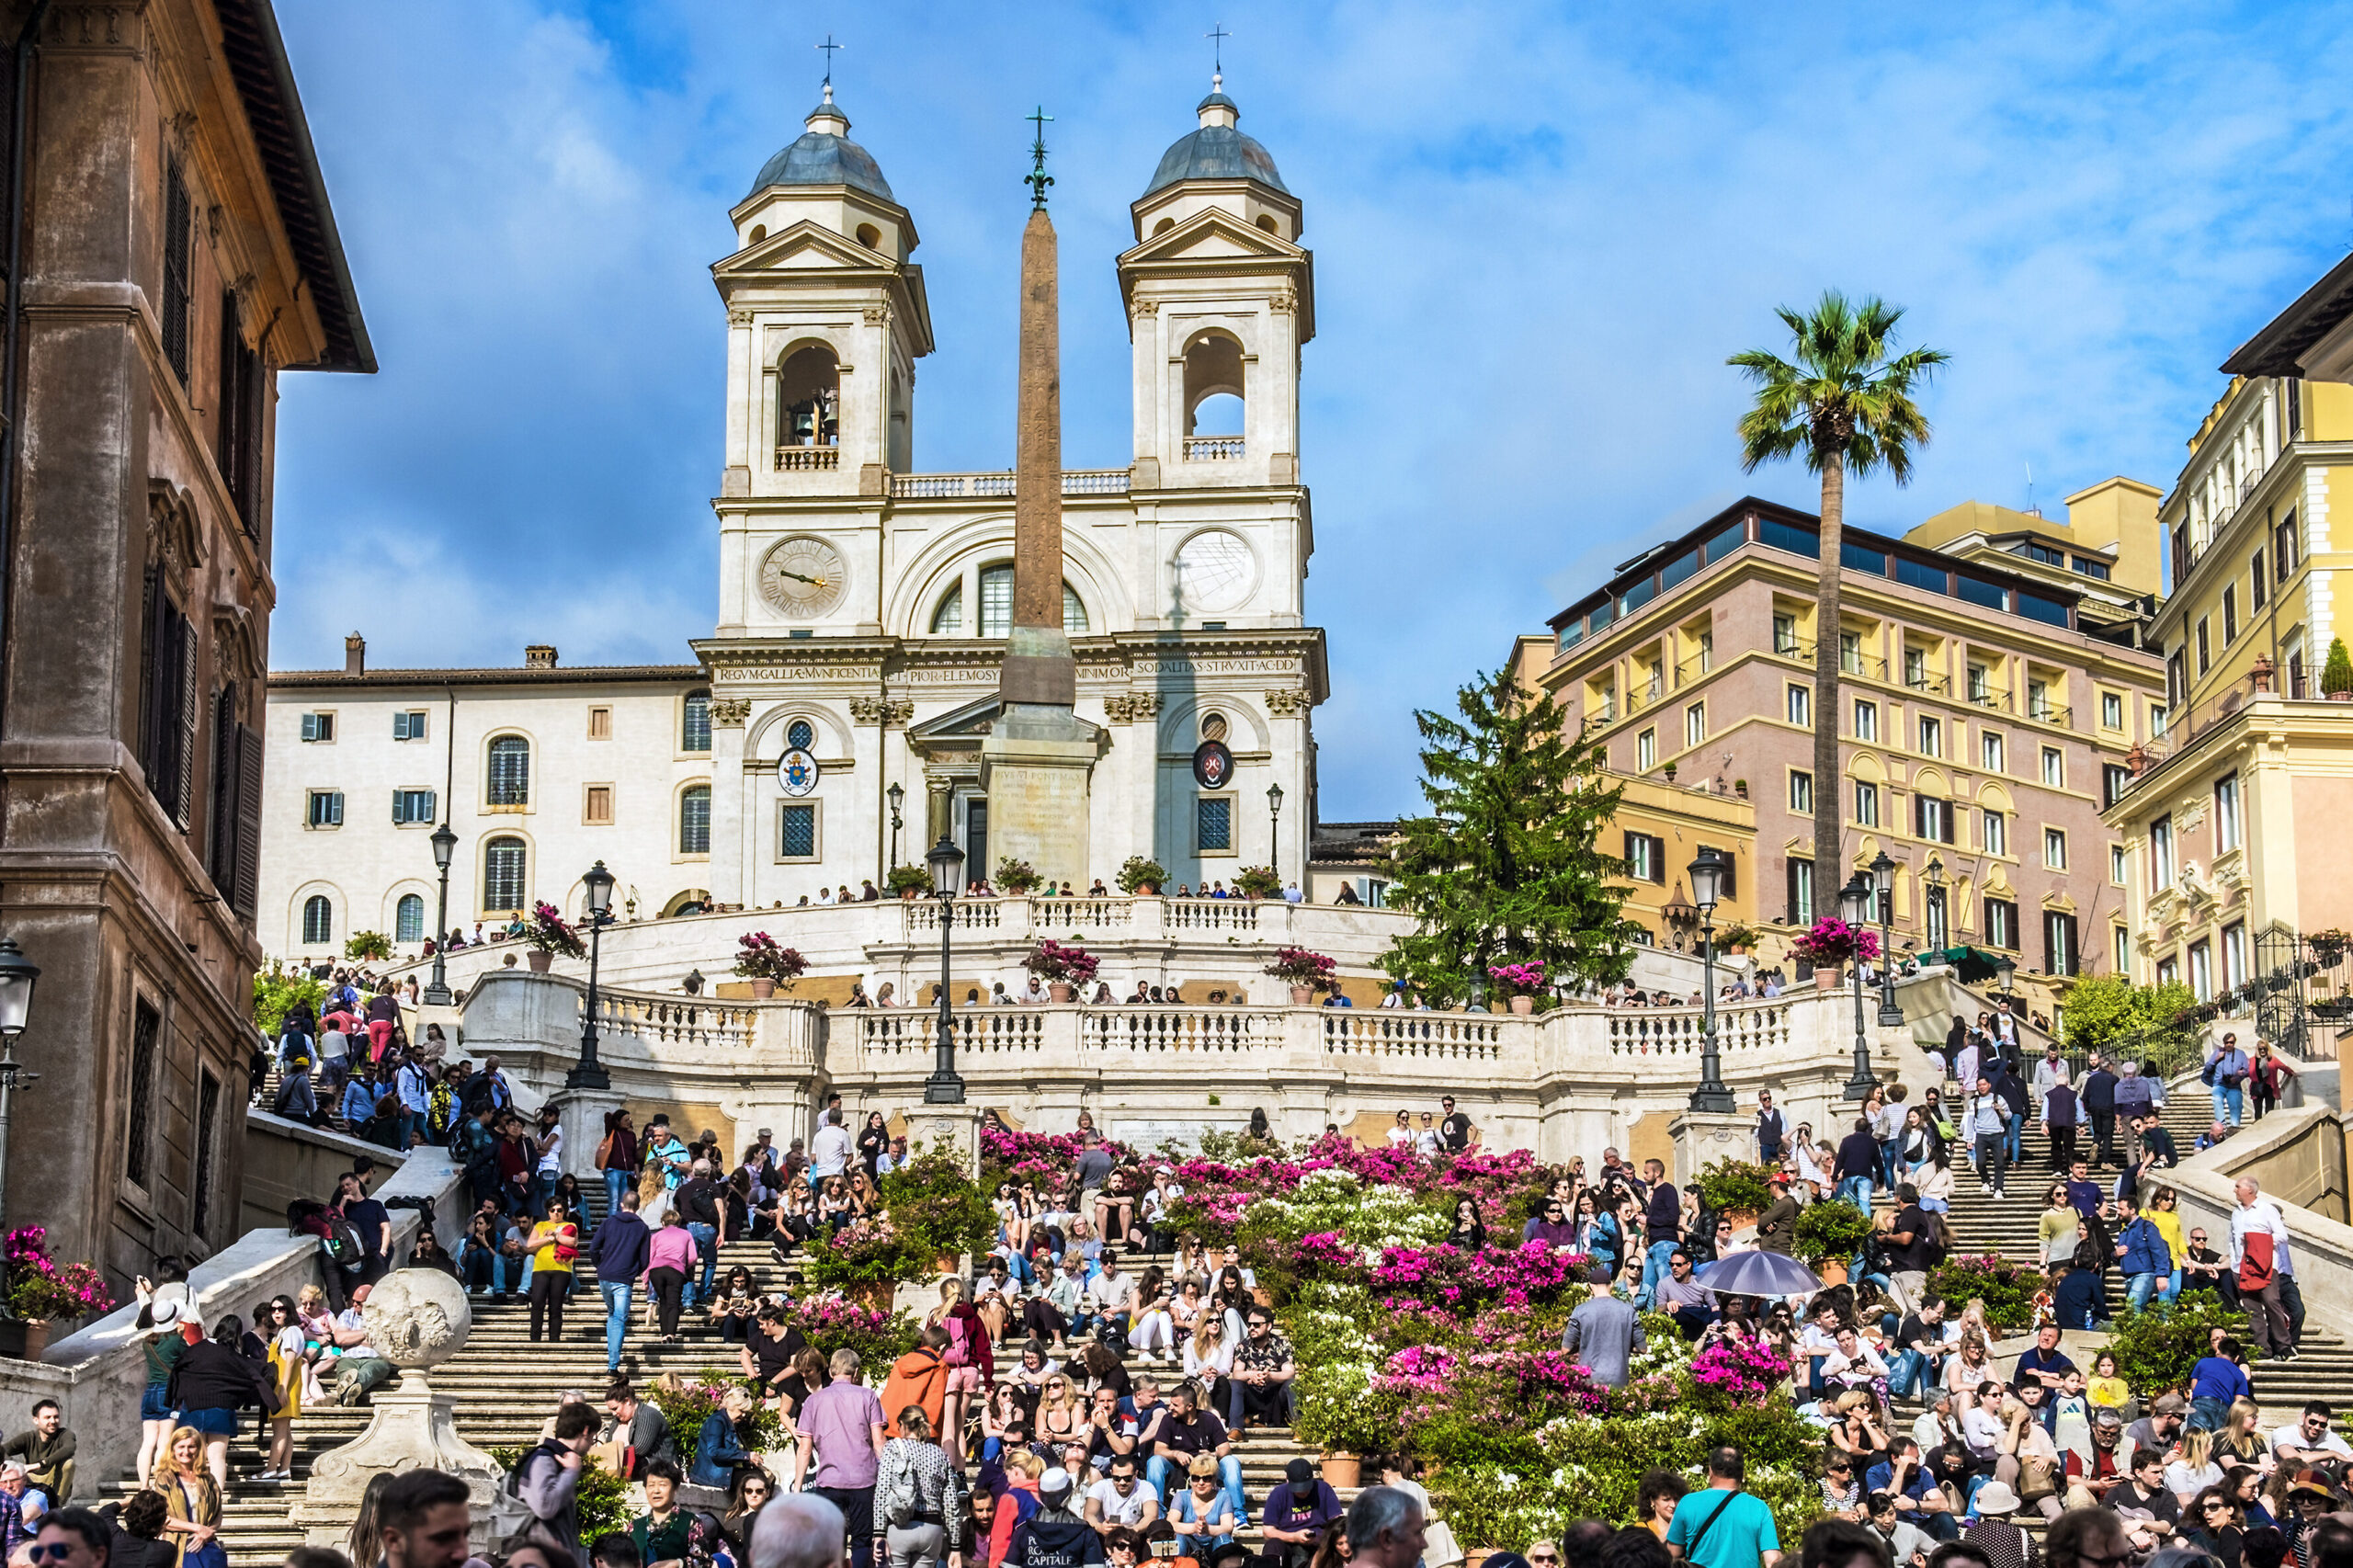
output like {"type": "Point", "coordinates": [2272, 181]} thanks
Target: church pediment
{"type": "Point", "coordinates": [803, 247]}
{"type": "Point", "coordinates": [1211, 233]}
{"type": "Point", "coordinates": [963, 729]}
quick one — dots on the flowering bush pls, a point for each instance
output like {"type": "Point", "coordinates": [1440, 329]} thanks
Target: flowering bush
{"type": "Point", "coordinates": [760, 956]}
{"type": "Point", "coordinates": [1300, 966]}
{"type": "Point", "coordinates": [1461, 1280]}
{"type": "Point", "coordinates": [1041, 1157]}
{"type": "Point", "coordinates": [39, 1288]}
{"type": "Point", "coordinates": [1258, 882]}
{"type": "Point", "coordinates": [1518, 979]}
{"type": "Point", "coordinates": [687, 1403]}
{"type": "Point", "coordinates": [831, 1323]}
{"type": "Point", "coordinates": [867, 1251]}
{"type": "Point", "coordinates": [1735, 1187]}
{"type": "Point", "coordinates": [1833, 942]}
{"type": "Point", "coordinates": [940, 1209]}
{"type": "Point", "coordinates": [1739, 1371]}
{"type": "Point", "coordinates": [1057, 964]}
{"type": "Point", "coordinates": [550, 933]}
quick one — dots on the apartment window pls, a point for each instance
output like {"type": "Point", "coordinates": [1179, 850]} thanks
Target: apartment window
{"type": "Point", "coordinates": [2201, 970]}
{"type": "Point", "coordinates": [510, 776]}
{"type": "Point", "coordinates": [1932, 819]}
{"type": "Point", "coordinates": [1989, 753]}
{"type": "Point", "coordinates": [796, 829]}
{"type": "Point", "coordinates": [2111, 711]}
{"type": "Point", "coordinates": [2177, 689]}
{"type": "Point", "coordinates": [1995, 832]}
{"type": "Point", "coordinates": [2114, 779]}
{"type": "Point", "coordinates": [2258, 590]}
{"type": "Point", "coordinates": [596, 805]}
{"type": "Point", "coordinates": [694, 820]}
{"type": "Point", "coordinates": [2233, 956]}
{"type": "Point", "coordinates": [2169, 971]}
{"type": "Point", "coordinates": [2059, 953]}
{"type": "Point", "coordinates": [2284, 554]}
{"type": "Point", "coordinates": [1695, 723]}
{"type": "Point", "coordinates": [176, 290]}
{"type": "Point", "coordinates": [1213, 824]}
{"type": "Point", "coordinates": [241, 390]}
{"type": "Point", "coordinates": [502, 865]}
{"type": "Point", "coordinates": [2116, 864]}
{"type": "Point", "coordinates": [600, 723]}
{"type": "Point", "coordinates": [1797, 702]}
{"type": "Point", "coordinates": [1646, 751]}
{"type": "Point", "coordinates": [2161, 854]}
{"type": "Point", "coordinates": [2229, 613]}
{"type": "Point", "coordinates": [1800, 792]}
{"type": "Point", "coordinates": [1866, 720]}
{"type": "Point", "coordinates": [2038, 700]}
{"type": "Point", "coordinates": [324, 808]}
{"type": "Point", "coordinates": [1850, 653]}
{"type": "Point", "coordinates": [2001, 923]}
{"type": "Point", "coordinates": [1728, 883]}
{"type": "Point", "coordinates": [146, 1044]}
{"type": "Point", "coordinates": [1932, 736]}
{"type": "Point", "coordinates": [2054, 850]}
{"type": "Point", "coordinates": [2157, 720]}
{"type": "Point", "coordinates": [2055, 768]}
{"type": "Point", "coordinates": [694, 725]}
{"type": "Point", "coordinates": [318, 920]}
{"type": "Point", "coordinates": [2205, 653]}
{"type": "Point", "coordinates": [1785, 635]}
{"type": "Point", "coordinates": [408, 919]}
{"type": "Point", "coordinates": [2292, 424]}
{"type": "Point", "coordinates": [1654, 681]}
{"type": "Point", "coordinates": [2226, 813]}
{"type": "Point", "coordinates": [1981, 684]}
{"type": "Point", "coordinates": [1865, 803]}
{"type": "Point", "coordinates": [2120, 940]}
{"type": "Point", "coordinates": [1916, 668]}
{"type": "Point", "coordinates": [2180, 554]}
{"type": "Point", "coordinates": [1706, 652]}
{"type": "Point", "coordinates": [1646, 858]}
{"type": "Point", "coordinates": [321, 727]}
{"type": "Point", "coordinates": [171, 711]}
{"type": "Point", "coordinates": [1801, 892]}
{"type": "Point", "coordinates": [411, 807]}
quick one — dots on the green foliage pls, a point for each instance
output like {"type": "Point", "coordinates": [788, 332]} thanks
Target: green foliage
{"type": "Point", "coordinates": [1735, 1187]}
{"type": "Point", "coordinates": [2145, 1023]}
{"type": "Point", "coordinates": [367, 945]}
{"type": "Point", "coordinates": [2337, 674]}
{"type": "Point", "coordinates": [937, 1205]}
{"type": "Point", "coordinates": [1830, 1230]}
{"type": "Point", "coordinates": [1259, 882]}
{"type": "Point", "coordinates": [687, 1404]}
{"type": "Point", "coordinates": [903, 878]}
{"type": "Point", "coordinates": [1137, 870]}
{"type": "Point", "coordinates": [1736, 935]}
{"type": "Point", "coordinates": [277, 990]}
{"type": "Point", "coordinates": [603, 1496]}
{"type": "Point", "coordinates": [1505, 868]}
{"type": "Point", "coordinates": [2007, 1288]}
{"type": "Point", "coordinates": [2156, 1348]}
{"type": "Point", "coordinates": [1017, 875]}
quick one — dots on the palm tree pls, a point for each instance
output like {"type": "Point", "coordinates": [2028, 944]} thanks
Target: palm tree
{"type": "Point", "coordinates": [1846, 406]}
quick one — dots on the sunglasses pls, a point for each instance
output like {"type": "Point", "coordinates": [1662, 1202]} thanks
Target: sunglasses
{"type": "Point", "coordinates": [55, 1551]}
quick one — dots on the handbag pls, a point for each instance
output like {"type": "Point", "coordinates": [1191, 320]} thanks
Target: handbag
{"type": "Point", "coordinates": [2036, 1478]}
{"type": "Point", "coordinates": [211, 1554]}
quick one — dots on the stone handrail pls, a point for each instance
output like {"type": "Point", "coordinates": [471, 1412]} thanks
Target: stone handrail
{"type": "Point", "coordinates": [2299, 1157]}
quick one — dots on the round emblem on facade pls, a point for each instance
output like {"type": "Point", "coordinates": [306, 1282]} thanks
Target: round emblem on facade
{"type": "Point", "coordinates": [1212, 764]}
{"type": "Point", "coordinates": [1215, 572]}
{"type": "Point", "coordinates": [796, 772]}
{"type": "Point", "coordinates": [803, 576]}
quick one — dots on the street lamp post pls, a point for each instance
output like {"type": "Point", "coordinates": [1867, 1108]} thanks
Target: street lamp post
{"type": "Point", "coordinates": [1707, 885]}
{"type": "Point", "coordinates": [1932, 929]}
{"type": "Point", "coordinates": [1274, 828]}
{"type": "Point", "coordinates": [945, 1086]}
{"type": "Point", "coordinates": [437, 995]}
{"type": "Point", "coordinates": [1884, 890]}
{"type": "Point", "coordinates": [2009, 967]}
{"type": "Point", "coordinates": [18, 974]}
{"type": "Point", "coordinates": [591, 1073]}
{"type": "Point", "coordinates": [1854, 907]}
{"type": "Point", "coordinates": [898, 796]}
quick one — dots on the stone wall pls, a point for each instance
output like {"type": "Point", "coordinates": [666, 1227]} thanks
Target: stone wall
{"type": "Point", "coordinates": [286, 1160]}
{"type": "Point", "coordinates": [2299, 1157]}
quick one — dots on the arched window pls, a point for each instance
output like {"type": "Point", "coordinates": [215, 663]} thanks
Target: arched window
{"type": "Point", "coordinates": [408, 919]}
{"type": "Point", "coordinates": [807, 399]}
{"type": "Point", "coordinates": [694, 730]}
{"type": "Point", "coordinates": [996, 607]}
{"type": "Point", "coordinates": [799, 735]}
{"type": "Point", "coordinates": [1073, 612]}
{"type": "Point", "coordinates": [1214, 388]}
{"type": "Point", "coordinates": [318, 920]}
{"type": "Point", "coordinates": [948, 621]}
{"type": "Point", "coordinates": [502, 874]}
{"type": "Point", "coordinates": [510, 772]}
{"type": "Point", "coordinates": [694, 820]}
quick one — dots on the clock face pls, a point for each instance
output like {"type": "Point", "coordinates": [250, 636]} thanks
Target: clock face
{"type": "Point", "coordinates": [804, 577]}
{"type": "Point", "coordinates": [1215, 571]}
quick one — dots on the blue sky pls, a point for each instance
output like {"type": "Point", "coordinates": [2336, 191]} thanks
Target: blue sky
{"type": "Point", "coordinates": [1539, 230]}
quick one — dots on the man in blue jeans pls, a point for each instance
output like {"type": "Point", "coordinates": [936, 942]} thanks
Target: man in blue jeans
{"type": "Point", "coordinates": [697, 1199]}
{"type": "Point", "coordinates": [1662, 1222]}
{"type": "Point", "coordinates": [2228, 1070]}
{"type": "Point", "coordinates": [1190, 1430]}
{"type": "Point", "coordinates": [2143, 1256]}
{"type": "Point", "coordinates": [619, 1255]}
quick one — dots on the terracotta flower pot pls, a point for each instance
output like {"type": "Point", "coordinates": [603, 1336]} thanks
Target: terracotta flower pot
{"type": "Point", "coordinates": [906, 894]}
{"type": "Point", "coordinates": [2341, 697]}
{"type": "Point", "coordinates": [36, 1337]}
{"type": "Point", "coordinates": [762, 987]}
{"type": "Point", "coordinates": [1303, 995]}
{"type": "Point", "coordinates": [1147, 890]}
{"type": "Point", "coordinates": [1742, 1219]}
{"type": "Point", "coordinates": [539, 960]}
{"type": "Point", "coordinates": [1832, 1271]}
{"type": "Point", "coordinates": [1826, 979]}
{"type": "Point", "coordinates": [1062, 991]}
{"type": "Point", "coordinates": [1343, 1470]}
{"type": "Point", "coordinates": [1523, 1004]}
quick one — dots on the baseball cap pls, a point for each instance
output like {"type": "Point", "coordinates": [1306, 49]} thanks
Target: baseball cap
{"type": "Point", "coordinates": [2170, 1404]}
{"type": "Point", "coordinates": [1299, 1473]}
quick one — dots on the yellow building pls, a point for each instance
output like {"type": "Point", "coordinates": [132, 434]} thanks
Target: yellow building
{"type": "Point", "coordinates": [2239, 816]}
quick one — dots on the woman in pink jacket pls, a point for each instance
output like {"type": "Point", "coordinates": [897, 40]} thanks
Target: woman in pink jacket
{"type": "Point", "coordinates": [671, 1258]}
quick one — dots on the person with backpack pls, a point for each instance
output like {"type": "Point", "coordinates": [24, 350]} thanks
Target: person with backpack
{"type": "Point", "coordinates": [295, 1101]}
{"type": "Point", "coordinates": [918, 1496]}
{"type": "Point", "coordinates": [617, 1157]}
{"type": "Point", "coordinates": [918, 1379]}
{"type": "Point", "coordinates": [545, 1483]}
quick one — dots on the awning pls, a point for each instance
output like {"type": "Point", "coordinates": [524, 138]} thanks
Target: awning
{"type": "Point", "coordinates": [1971, 964]}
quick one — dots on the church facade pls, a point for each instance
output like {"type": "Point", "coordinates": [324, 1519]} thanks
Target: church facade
{"type": "Point", "coordinates": [864, 607]}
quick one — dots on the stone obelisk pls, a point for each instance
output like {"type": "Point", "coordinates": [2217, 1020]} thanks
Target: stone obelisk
{"type": "Point", "coordinates": [1038, 757]}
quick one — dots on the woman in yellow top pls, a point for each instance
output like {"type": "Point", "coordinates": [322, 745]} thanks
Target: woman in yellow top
{"type": "Point", "coordinates": [554, 1247]}
{"type": "Point", "coordinates": [2164, 1213]}
{"type": "Point", "coordinates": [191, 1498]}
{"type": "Point", "coordinates": [288, 1345]}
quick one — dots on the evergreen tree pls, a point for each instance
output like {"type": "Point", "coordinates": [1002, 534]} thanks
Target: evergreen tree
{"type": "Point", "coordinates": [1505, 868]}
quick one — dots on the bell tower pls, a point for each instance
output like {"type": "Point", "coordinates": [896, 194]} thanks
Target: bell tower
{"type": "Point", "coordinates": [1221, 298]}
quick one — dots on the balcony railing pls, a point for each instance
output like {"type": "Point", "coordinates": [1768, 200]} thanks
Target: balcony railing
{"type": "Point", "coordinates": [957, 486]}
{"type": "Point", "coordinates": [1932, 685]}
{"type": "Point", "coordinates": [808, 460]}
{"type": "Point", "coordinates": [2052, 713]}
{"type": "Point", "coordinates": [1212, 449]}
{"type": "Point", "coordinates": [1990, 697]}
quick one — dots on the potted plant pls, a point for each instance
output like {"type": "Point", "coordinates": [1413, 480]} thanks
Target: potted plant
{"type": "Point", "coordinates": [1307, 973]}
{"type": "Point", "coordinates": [866, 1260]}
{"type": "Point", "coordinates": [1831, 944]}
{"type": "Point", "coordinates": [908, 881]}
{"type": "Point", "coordinates": [1669, 771]}
{"type": "Point", "coordinates": [1258, 882]}
{"type": "Point", "coordinates": [1828, 1236]}
{"type": "Point", "coordinates": [1064, 969]}
{"type": "Point", "coordinates": [550, 934]}
{"type": "Point", "coordinates": [767, 963]}
{"type": "Point", "coordinates": [1018, 876]}
{"type": "Point", "coordinates": [1736, 937]}
{"type": "Point", "coordinates": [938, 1208]}
{"type": "Point", "coordinates": [1140, 875]}
{"type": "Point", "coordinates": [2328, 947]}
{"type": "Point", "coordinates": [41, 1291]}
{"type": "Point", "coordinates": [1523, 982]}
{"type": "Point", "coordinates": [1735, 1190]}
{"type": "Point", "coordinates": [2336, 676]}
{"type": "Point", "coordinates": [367, 945]}
{"type": "Point", "coordinates": [1740, 788]}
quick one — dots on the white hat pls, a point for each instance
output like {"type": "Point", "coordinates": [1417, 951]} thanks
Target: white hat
{"type": "Point", "coordinates": [1994, 1497]}
{"type": "Point", "coordinates": [165, 1314]}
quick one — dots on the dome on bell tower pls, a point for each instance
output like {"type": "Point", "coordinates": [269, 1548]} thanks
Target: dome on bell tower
{"type": "Point", "coordinates": [1216, 150]}
{"type": "Point", "coordinates": [823, 154]}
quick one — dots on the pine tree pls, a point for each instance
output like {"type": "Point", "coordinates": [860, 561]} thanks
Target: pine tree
{"type": "Point", "coordinates": [1505, 868]}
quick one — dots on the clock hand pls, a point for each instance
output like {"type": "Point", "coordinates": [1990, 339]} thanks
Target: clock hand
{"type": "Point", "coordinates": [797, 577]}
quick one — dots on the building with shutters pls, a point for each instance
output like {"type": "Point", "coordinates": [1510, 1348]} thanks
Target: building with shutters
{"type": "Point", "coordinates": [1984, 715]}
{"type": "Point", "coordinates": [178, 255]}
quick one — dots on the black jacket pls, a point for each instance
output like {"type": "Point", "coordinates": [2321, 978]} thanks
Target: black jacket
{"type": "Point", "coordinates": [697, 1199]}
{"type": "Point", "coordinates": [211, 1375]}
{"type": "Point", "coordinates": [1054, 1539]}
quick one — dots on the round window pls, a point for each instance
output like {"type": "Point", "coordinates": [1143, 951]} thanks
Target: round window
{"type": "Point", "coordinates": [799, 736]}
{"type": "Point", "coordinates": [1213, 727]}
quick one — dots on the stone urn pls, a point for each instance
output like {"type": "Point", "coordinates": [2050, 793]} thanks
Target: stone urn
{"type": "Point", "coordinates": [1303, 995]}
{"type": "Point", "coordinates": [539, 960]}
{"type": "Point", "coordinates": [417, 1318]}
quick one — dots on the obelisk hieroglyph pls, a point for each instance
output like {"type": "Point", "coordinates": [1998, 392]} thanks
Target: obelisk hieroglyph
{"type": "Point", "coordinates": [1038, 757]}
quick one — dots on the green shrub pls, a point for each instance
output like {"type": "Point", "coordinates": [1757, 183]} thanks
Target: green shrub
{"type": "Point", "coordinates": [2007, 1288]}
{"type": "Point", "coordinates": [2337, 674]}
{"type": "Point", "coordinates": [1835, 1229]}
{"type": "Point", "coordinates": [935, 1204]}
{"type": "Point", "coordinates": [603, 1496]}
{"type": "Point", "coordinates": [367, 945]}
{"type": "Point", "coordinates": [277, 990]}
{"type": "Point", "coordinates": [903, 878]}
{"type": "Point", "coordinates": [2155, 1349]}
{"type": "Point", "coordinates": [1735, 1187]}
{"type": "Point", "coordinates": [1137, 870]}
